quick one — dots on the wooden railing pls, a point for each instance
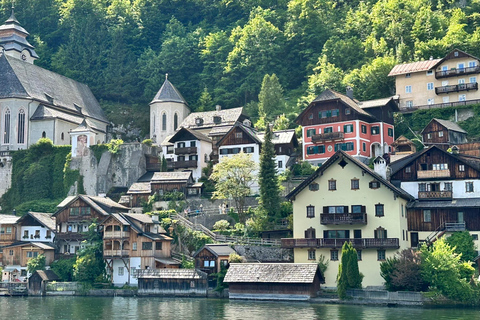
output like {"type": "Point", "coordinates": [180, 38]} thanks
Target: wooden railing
{"type": "Point", "coordinates": [116, 253]}
{"type": "Point", "coordinates": [343, 218]}
{"type": "Point", "coordinates": [5, 153]}
{"type": "Point", "coordinates": [186, 150]}
{"type": "Point", "coordinates": [362, 243]}
{"type": "Point", "coordinates": [328, 136]}
{"type": "Point", "coordinates": [182, 164]}
{"type": "Point", "coordinates": [427, 174]}
{"type": "Point", "coordinates": [435, 195]}
{"type": "Point", "coordinates": [116, 234]}
{"type": "Point", "coordinates": [439, 105]}
{"type": "Point", "coordinates": [457, 72]}
{"type": "Point", "coordinates": [457, 88]}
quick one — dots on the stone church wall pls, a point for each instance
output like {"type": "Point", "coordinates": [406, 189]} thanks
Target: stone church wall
{"type": "Point", "coordinates": [5, 173]}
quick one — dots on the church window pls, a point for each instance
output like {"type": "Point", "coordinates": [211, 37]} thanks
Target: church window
{"type": "Point", "coordinates": [175, 122]}
{"type": "Point", "coordinates": [62, 136]}
{"type": "Point", "coordinates": [164, 122]}
{"type": "Point", "coordinates": [44, 134]}
{"type": "Point", "coordinates": [21, 127]}
{"type": "Point", "coordinates": [6, 122]}
{"type": "Point", "coordinates": [154, 124]}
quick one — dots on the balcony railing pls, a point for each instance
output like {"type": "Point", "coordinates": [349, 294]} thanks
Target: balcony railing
{"type": "Point", "coordinates": [186, 150]}
{"type": "Point", "coordinates": [343, 218]}
{"type": "Point", "coordinates": [457, 72]}
{"type": "Point", "coordinates": [428, 174]}
{"type": "Point", "coordinates": [182, 164]}
{"type": "Point", "coordinates": [116, 234]}
{"type": "Point", "coordinates": [327, 136]}
{"type": "Point", "coordinates": [4, 153]}
{"type": "Point", "coordinates": [362, 243]}
{"type": "Point", "coordinates": [447, 195]}
{"type": "Point", "coordinates": [116, 253]}
{"type": "Point", "coordinates": [457, 88]}
{"type": "Point", "coordinates": [70, 236]}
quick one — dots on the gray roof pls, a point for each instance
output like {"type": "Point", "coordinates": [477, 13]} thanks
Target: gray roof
{"type": "Point", "coordinates": [47, 275]}
{"type": "Point", "coordinates": [329, 94]}
{"type": "Point", "coordinates": [21, 79]}
{"type": "Point", "coordinates": [454, 203]}
{"type": "Point", "coordinates": [173, 273]}
{"type": "Point", "coordinates": [97, 203]}
{"type": "Point", "coordinates": [374, 103]}
{"type": "Point", "coordinates": [219, 131]}
{"type": "Point", "coordinates": [168, 93]}
{"type": "Point", "coordinates": [44, 218]}
{"type": "Point", "coordinates": [218, 249]}
{"type": "Point", "coordinates": [8, 219]}
{"type": "Point", "coordinates": [16, 38]}
{"type": "Point", "coordinates": [140, 187]}
{"type": "Point", "coordinates": [228, 117]}
{"type": "Point", "coordinates": [171, 176]}
{"type": "Point", "coordinates": [197, 135]}
{"type": "Point", "coordinates": [251, 132]}
{"type": "Point", "coordinates": [41, 245]}
{"type": "Point", "coordinates": [279, 137]}
{"type": "Point", "coordinates": [448, 124]}
{"type": "Point", "coordinates": [271, 272]}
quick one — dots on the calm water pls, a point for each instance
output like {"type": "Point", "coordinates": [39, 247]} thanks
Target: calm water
{"type": "Point", "coordinates": [188, 308]}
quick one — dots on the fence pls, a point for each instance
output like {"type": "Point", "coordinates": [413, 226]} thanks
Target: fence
{"type": "Point", "coordinates": [63, 286]}
{"type": "Point", "coordinates": [387, 296]}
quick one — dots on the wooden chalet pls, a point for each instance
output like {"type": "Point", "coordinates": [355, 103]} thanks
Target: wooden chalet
{"type": "Point", "coordinates": [172, 282]}
{"type": "Point", "coordinates": [75, 214]}
{"type": "Point", "coordinates": [401, 148]}
{"type": "Point", "coordinates": [240, 136]}
{"type": "Point", "coordinates": [138, 194]}
{"type": "Point", "coordinates": [17, 254]}
{"type": "Point", "coordinates": [273, 281]}
{"type": "Point", "coordinates": [163, 182]}
{"type": "Point", "coordinates": [9, 231]}
{"type": "Point", "coordinates": [37, 282]}
{"type": "Point", "coordinates": [135, 242]}
{"type": "Point", "coordinates": [212, 257]}
{"type": "Point", "coordinates": [443, 134]}
{"type": "Point", "coordinates": [37, 226]}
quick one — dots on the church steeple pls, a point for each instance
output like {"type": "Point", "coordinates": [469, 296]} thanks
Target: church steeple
{"type": "Point", "coordinates": [13, 39]}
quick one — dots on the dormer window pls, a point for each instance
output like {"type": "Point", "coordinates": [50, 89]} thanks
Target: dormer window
{"type": "Point", "coordinates": [77, 107]}
{"type": "Point", "coordinates": [198, 121]}
{"type": "Point", "coordinates": [217, 119]}
{"type": "Point", "coordinates": [49, 98]}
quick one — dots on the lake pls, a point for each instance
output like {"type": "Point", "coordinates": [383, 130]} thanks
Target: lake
{"type": "Point", "coordinates": [19, 308]}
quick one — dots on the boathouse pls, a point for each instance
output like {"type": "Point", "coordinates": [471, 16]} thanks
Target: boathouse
{"type": "Point", "coordinates": [172, 282]}
{"type": "Point", "coordinates": [37, 283]}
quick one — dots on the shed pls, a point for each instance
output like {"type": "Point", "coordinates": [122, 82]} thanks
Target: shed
{"type": "Point", "coordinates": [172, 282]}
{"type": "Point", "coordinates": [211, 257]}
{"type": "Point", "coordinates": [37, 283]}
{"type": "Point", "coordinates": [273, 281]}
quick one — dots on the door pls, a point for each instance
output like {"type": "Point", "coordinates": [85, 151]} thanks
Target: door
{"type": "Point", "coordinates": [414, 239]}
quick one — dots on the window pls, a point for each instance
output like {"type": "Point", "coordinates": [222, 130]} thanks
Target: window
{"type": "Point", "coordinates": [375, 130]}
{"type": "Point", "coordinates": [448, 186]}
{"type": "Point", "coordinates": [120, 271]}
{"type": "Point", "coordinates": [21, 127]}
{"type": "Point", "coordinates": [408, 89]}
{"type": "Point", "coordinates": [374, 185]}
{"type": "Point", "coordinates": [175, 121]}
{"type": "Point", "coordinates": [310, 233]}
{"type": "Point", "coordinates": [311, 254]}
{"type": "Point", "coordinates": [193, 157]}
{"type": "Point", "coordinates": [427, 216]}
{"type": "Point", "coordinates": [364, 147]}
{"type": "Point", "coordinates": [310, 212]}
{"type": "Point", "coordinates": [462, 97]}
{"type": "Point", "coordinates": [444, 68]}
{"type": "Point", "coordinates": [280, 164]}
{"type": "Point", "coordinates": [334, 255]}
{"type": "Point", "coordinates": [335, 112]}
{"type": "Point", "coordinates": [324, 114]}
{"type": "Point", "coordinates": [9, 230]}
{"type": "Point", "coordinates": [164, 121]}
{"type": "Point", "coordinates": [359, 255]}
{"type": "Point", "coordinates": [390, 132]}
{"type": "Point", "coordinates": [158, 245]}
{"type": "Point", "coordinates": [460, 66]}
{"type": "Point", "coordinates": [336, 234]}
{"type": "Point", "coordinates": [446, 99]}
{"type": "Point", "coordinates": [472, 64]}
{"type": "Point", "coordinates": [134, 246]}
{"type": "Point", "coordinates": [430, 86]}
{"type": "Point", "coordinates": [310, 132]}
{"type": "Point", "coordinates": [313, 186]}
{"type": "Point", "coordinates": [380, 255]}
{"type": "Point", "coordinates": [332, 184]}
{"type": "Point", "coordinates": [10, 252]}
{"type": "Point", "coordinates": [198, 121]}
{"type": "Point", "coordinates": [32, 254]}
{"type": "Point", "coordinates": [422, 187]}
{"type": "Point", "coordinates": [440, 134]}
{"type": "Point", "coordinates": [217, 119]}
{"type": "Point", "coordinates": [473, 80]}
{"type": "Point", "coordinates": [429, 136]}
{"type": "Point", "coordinates": [379, 210]}
{"type": "Point", "coordinates": [193, 143]}
{"type": "Point", "coordinates": [347, 111]}
{"type": "Point", "coordinates": [408, 169]}
{"type": "Point", "coordinates": [146, 246]}
{"type": "Point", "coordinates": [461, 167]}
{"type": "Point", "coordinates": [6, 126]}
{"type": "Point", "coordinates": [348, 128]}
{"type": "Point", "coordinates": [355, 184]}
{"type": "Point", "coordinates": [336, 209]}
{"type": "Point", "coordinates": [409, 103]}
{"type": "Point", "coordinates": [358, 209]}
{"type": "Point", "coordinates": [248, 150]}
{"type": "Point", "coordinates": [364, 128]}
{"type": "Point", "coordinates": [440, 166]}
{"type": "Point", "coordinates": [429, 72]}
{"type": "Point", "coordinates": [430, 101]}
{"type": "Point", "coordinates": [238, 135]}
{"type": "Point", "coordinates": [468, 186]}
{"type": "Point", "coordinates": [310, 116]}
{"type": "Point", "coordinates": [408, 75]}
{"type": "Point", "coordinates": [328, 130]}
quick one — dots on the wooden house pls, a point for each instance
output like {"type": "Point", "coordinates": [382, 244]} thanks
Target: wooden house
{"type": "Point", "coordinates": [212, 257]}
{"type": "Point", "coordinates": [446, 187]}
{"type": "Point", "coordinates": [286, 144]}
{"type": "Point", "coordinates": [273, 281]}
{"type": "Point", "coordinates": [401, 148]}
{"type": "Point", "coordinates": [443, 134]}
{"type": "Point", "coordinates": [134, 242]}
{"type": "Point", "coordinates": [75, 214]}
{"type": "Point", "coordinates": [9, 232]}
{"type": "Point", "coordinates": [165, 182]}
{"type": "Point", "coordinates": [17, 255]}
{"type": "Point", "coordinates": [37, 282]}
{"type": "Point", "coordinates": [138, 194]}
{"type": "Point", "coordinates": [172, 282]}
{"type": "Point", "coordinates": [37, 226]}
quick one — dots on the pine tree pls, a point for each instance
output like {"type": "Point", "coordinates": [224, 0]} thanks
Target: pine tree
{"type": "Point", "coordinates": [163, 164]}
{"type": "Point", "coordinates": [348, 275]}
{"type": "Point", "coordinates": [270, 99]}
{"type": "Point", "coordinates": [268, 179]}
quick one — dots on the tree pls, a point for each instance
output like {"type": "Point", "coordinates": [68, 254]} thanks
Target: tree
{"type": "Point", "coordinates": [35, 264]}
{"type": "Point", "coordinates": [234, 176]}
{"type": "Point", "coordinates": [64, 268]}
{"type": "Point", "coordinates": [348, 275]}
{"type": "Point", "coordinates": [164, 164]}
{"type": "Point", "coordinates": [268, 179]}
{"type": "Point", "coordinates": [462, 244]}
{"type": "Point", "coordinates": [270, 99]}
{"type": "Point", "coordinates": [89, 266]}
{"type": "Point", "coordinates": [403, 272]}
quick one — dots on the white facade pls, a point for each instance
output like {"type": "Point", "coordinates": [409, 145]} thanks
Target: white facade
{"type": "Point", "coordinates": [36, 233]}
{"type": "Point", "coordinates": [121, 275]}
{"type": "Point", "coordinates": [162, 119]}
{"type": "Point", "coordinates": [459, 187]}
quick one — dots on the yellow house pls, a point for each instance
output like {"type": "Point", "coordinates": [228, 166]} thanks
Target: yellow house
{"type": "Point", "coordinates": [344, 200]}
{"type": "Point", "coordinates": [450, 81]}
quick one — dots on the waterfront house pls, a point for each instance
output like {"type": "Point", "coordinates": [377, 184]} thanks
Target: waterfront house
{"type": "Point", "coordinates": [212, 257]}
{"type": "Point", "coordinates": [37, 282]}
{"type": "Point", "coordinates": [273, 281]}
{"type": "Point", "coordinates": [344, 200]}
{"type": "Point", "coordinates": [172, 282]}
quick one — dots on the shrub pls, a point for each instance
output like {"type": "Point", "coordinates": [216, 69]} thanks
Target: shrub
{"type": "Point", "coordinates": [148, 142]}
{"type": "Point", "coordinates": [221, 225]}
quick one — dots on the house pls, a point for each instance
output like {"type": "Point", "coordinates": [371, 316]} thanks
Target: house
{"type": "Point", "coordinates": [334, 121]}
{"type": "Point", "coordinates": [134, 242]}
{"type": "Point", "coordinates": [75, 214]}
{"type": "Point", "coordinates": [9, 231]}
{"type": "Point", "coordinates": [37, 103]}
{"type": "Point", "coordinates": [172, 282]}
{"type": "Point", "coordinates": [37, 282]}
{"type": "Point", "coordinates": [17, 255]}
{"type": "Point", "coordinates": [285, 143]}
{"type": "Point", "coordinates": [443, 134]}
{"type": "Point", "coordinates": [37, 226]}
{"type": "Point", "coordinates": [273, 281]}
{"type": "Point", "coordinates": [401, 148]}
{"type": "Point", "coordinates": [446, 188]}
{"type": "Point", "coordinates": [212, 257]}
{"type": "Point", "coordinates": [434, 83]}
{"type": "Point", "coordinates": [344, 200]}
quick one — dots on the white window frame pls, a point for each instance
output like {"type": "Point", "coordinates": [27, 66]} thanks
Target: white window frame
{"type": "Point", "coordinates": [408, 89]}
{"type": "Point", "coordinates": [461, 81]}
{"type": "Point", "coordinates": [446, 99]}
{"type": "Point", "coordinates": [430, 86]}
{"type": "Point", "coordinates": [444, 83]}
{"type": "Point", "coordinates": [472, 79]}
{"type": "Point", "coordinates": [409, 103]}
{"type": "Point", "coordinates": [430, 101]}
{"type": "Point", "coordinates": [462, 97]}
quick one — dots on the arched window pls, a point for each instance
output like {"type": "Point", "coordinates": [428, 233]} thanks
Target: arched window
{"type": "Point", "coordinates": [62, 136]}
{"type": "Point", "coordinates": [164, 121]}
{"type": "Point", "coordinates": [44, 134]}
{"type": "Point", "coordinates": [175, 121]}
{"type": "Point", "coordinates": [6, 123]}
{"type": "Point", "coordinates": [21, 127]}
{"type": "Point", "coordinates": [154, 124]}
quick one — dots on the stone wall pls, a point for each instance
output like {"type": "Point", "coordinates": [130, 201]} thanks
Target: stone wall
{"type": "Point", "coordinates": [264, 254]}
{"type": "Point", "coordinates": [5, 174]}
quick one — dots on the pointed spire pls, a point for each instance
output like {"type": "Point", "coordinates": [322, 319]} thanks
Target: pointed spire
{"type": "Point", "coordinates": [12, 18]}
{"type": "Point", "coordinates": [166, 76]}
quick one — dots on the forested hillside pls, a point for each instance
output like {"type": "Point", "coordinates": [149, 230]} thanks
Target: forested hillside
{"type": "Point", "coordinates": [218, 51]}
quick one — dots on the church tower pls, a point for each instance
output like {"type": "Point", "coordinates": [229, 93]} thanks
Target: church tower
{"type": "Point", "coordinates": [13, 40]}
{"type": "Point", "coordinates": [167, 111]}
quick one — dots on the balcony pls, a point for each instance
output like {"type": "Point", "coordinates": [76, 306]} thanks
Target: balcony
{"type": "Point", "coordinates": [343, 218]}
{"type": "Point", "coordinates": [116, 234]}
{"type": "Point", "coordinates": [186, 150]}
{"type": "Point", "coordinates": [435, 195]}
{"type": "Point", "coordinates": [429, 174]}
{"type": "Point", "coordinates": [362, 243]}
{"type": "Point", "coordinates": [116, 253]}
{"type": "Point", "coordinates": [329, 136]}
{"type": "Point", "coordinates": [182, 164]}
{"type": "Point", "coordinates": [457, 88]}
{"type": "Point", "coordinates": [70, 236]}
{"type": "Point", "coordinates": [457, 72]}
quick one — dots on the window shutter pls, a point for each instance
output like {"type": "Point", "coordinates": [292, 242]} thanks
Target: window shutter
{"type": "Point", "coordinates": [345, 209]}
{"type": "Point", "coordinates": [325, 234]}
{"type": "Point", "coordinates": [364, 209]}
{"type": "Point", "coordinates": [325, 209]}
{"type": "Point", "coordinates": [347, 234]}
{"type": "Point", "coordinates": [306, 234]}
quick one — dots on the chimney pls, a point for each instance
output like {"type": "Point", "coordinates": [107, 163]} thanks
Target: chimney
{"type": "Point", "coordinates": [431, 57]}
{"type": "Point", "coordinates": [380, 167]}
{"type": "Point", "coordinates": [350, 92]}
{"type": "Point", "coordinates": [218, 107]}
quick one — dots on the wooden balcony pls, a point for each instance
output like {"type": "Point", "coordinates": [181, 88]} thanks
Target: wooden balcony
{"type": "Point", "coordinates": [182, 164]}
{"type": "Point", "coordinates": [116, 253]}
{"type": "Point", "coordinates": [329, 136]}
{"type": "Point", "coordinates": [116, 234]}
{"type": "Point", "coordinates": [362, 243]}
{"type": "Point", "coordinates": [429, 174]}
{"type": "Point", "coordinates": [343, 218]}
{"type": "Point", "coordinates": [435, 195]}
{"type": "Point", "coordinates": [186, 150]}
{"type": "Point", "coordinates": [70, 236]}
{"type": "Point", "coordinates": [457, 88]}
{"type": "Point", "coordinates": [457, 72]}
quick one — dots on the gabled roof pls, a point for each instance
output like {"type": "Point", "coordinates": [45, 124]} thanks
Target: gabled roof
{"type": "Point", "coordinates": [447, 124]}
{"type": "Point", "coordinates": [343, 155]}
{"type": "Point", "coordinates": [8, 219]}
{"type": "Point", "coordinates": [165, 177]}
{"type": "Point", "coordinates": [217, 250]}
{"type": "Point", "coordinates": [143, 219]}
{"type": "Point", "coordinates": [227, 116]}
{"type": "Point", "coordinates": [272, 273]}
{"type": "Point", "coordinates": [47, 275]}
{"type": "Point", "coordinates": [248, 130]}
{"type": "Point", "coordinates": [140, 188]}
{"type": "Point", "coordinates": [194, 135]}
{"type": "Point", "coordinates": [103, 206]}
{"type": "Point", "coordinates": [451, 55]}
{"type": "Point", "coordinates": [41, 245]}
{"type": "Point", "coordinates": [402, 140]}
{"type": "Point", "coordinates": [376, 103]}
{"type": "Point", "coordinates": [189, 274]}
{"type": "Point", "coordinates": [45, 219]}
{"type": "Point", "coordinates": [280, 136]}
{"type": "Point", "coordinates": [21, 79]}
{"type": "Point", "coordinates": [413, 67]}
{"type": "Point", "coordinates": [168, 93]}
